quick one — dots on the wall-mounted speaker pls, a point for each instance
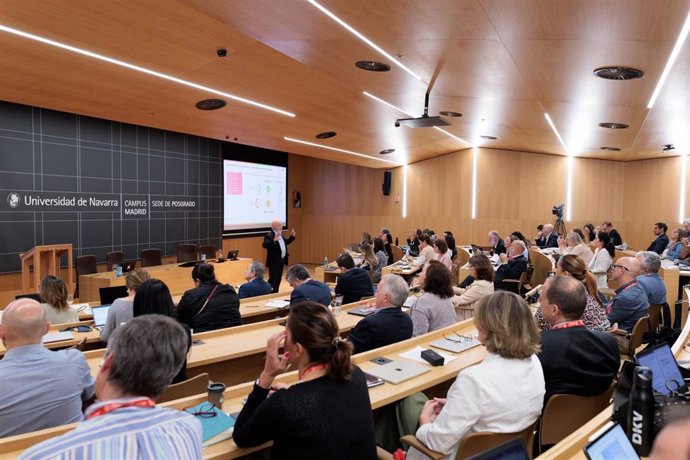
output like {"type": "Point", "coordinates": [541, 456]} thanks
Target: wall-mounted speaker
{"type": "Point", "coordinates": [387, 176]}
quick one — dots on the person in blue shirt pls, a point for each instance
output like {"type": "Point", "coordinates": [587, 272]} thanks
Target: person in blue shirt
{"type": "Point", "coordinates": [306, 288]}
{"type": "Point", "coordinates": [649, 278]}
{"type": "Point", "coordinates": [255, 285]}
{"type": "Point", "coordinates": [630, 302]}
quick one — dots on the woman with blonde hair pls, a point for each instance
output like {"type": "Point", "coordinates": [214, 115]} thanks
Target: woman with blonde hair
{"type": "Point", "coordinates": [468, 298]}
{"type": "Point", "coordinates": [54, 293]}
{"type": "Point", "coordinates": [575, 245]}
{"type": "Point", "coordinates": [370, 262]}
{"type": "Point", "coordinates": [502, 394]}
{"type": "Point", "coordinates": [121, 310]}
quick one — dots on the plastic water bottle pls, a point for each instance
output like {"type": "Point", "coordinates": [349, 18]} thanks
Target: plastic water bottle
{"type": "Point", "coordinates": [203, 257]}
{"type": "Point", "coordinates": [641, 412]}
{"type": "Point", "coordinates": [325, 262]}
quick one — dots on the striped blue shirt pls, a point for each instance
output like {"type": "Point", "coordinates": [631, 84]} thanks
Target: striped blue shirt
{"type": "Point", "coordinates": [126, 433]}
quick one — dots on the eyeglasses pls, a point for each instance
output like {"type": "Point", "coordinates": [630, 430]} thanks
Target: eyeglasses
{"type": "Point", "coordinates": [206, 410]}
{"type": "Point", "coordinates": [613, 267]}
{"type": "Point", "coordinates": [459, 338]}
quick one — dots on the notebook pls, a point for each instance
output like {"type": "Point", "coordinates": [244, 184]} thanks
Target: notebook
{"type": "Point", "coordinates": [278, 303]}
{"type": "Point", "coordinates": [455, 347]}
{"type": "Point", "coordinates": [213, 429]}
{"type": "Point", "coordinates": [100, 314]}
{"type": "Point", "coordinates": [665, 373]}
{"type": "Point", "coordinates": [109, 294]}
{"type": "Point", "coordinates": [398, 371]}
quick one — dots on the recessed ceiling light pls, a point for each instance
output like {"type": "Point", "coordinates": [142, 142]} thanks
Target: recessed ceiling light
{"type": "Point", "coordinates": [349, 152]}
{"type": "Point", "coordinates": [387, 151]}
{"type": "Point", "coordinates": [618, 73]}
{"type": "Point", "coordinates": [491, 138]}
{"type": "Point", "coordinates": [373, 66]}
{"type": "Point", "coordinates": [448, 113]}
{"type": "Point", "coordinates": [211, 104]}
{"type": "Point", "coordinates": [326, 135]}
{"type": "Point", "coordinates": [610, 149]}
{"type": "Point", "coordinates": [127, 65]}
{"type": "Point", "coordinates": [614, 125]}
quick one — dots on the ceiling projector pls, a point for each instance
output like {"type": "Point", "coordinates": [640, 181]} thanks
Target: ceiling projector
{"type": "Point", "coordinates": [425, 121]}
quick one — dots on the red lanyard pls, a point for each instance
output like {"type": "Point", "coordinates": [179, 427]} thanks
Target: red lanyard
{"type": "Point", "coordinates": [567, 324]}
{"type": "Point", "coordinates": [315, 367]}
{"type": "Point", "coordinates": [109, 407]}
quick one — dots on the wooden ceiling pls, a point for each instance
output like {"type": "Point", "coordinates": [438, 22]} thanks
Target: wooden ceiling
{"type": "Point", "coordinates": [501, 63]}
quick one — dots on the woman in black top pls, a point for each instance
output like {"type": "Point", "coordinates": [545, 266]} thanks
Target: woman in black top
{"type": "Point", "coordinates": [210, 305]}
{"type": "Point", "coordinates": [327, 414]}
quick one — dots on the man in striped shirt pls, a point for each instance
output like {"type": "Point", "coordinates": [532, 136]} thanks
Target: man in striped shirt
{"type": "Point", "coordinates": [142, 358]}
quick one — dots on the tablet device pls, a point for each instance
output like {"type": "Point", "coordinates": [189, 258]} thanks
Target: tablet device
{"type": "Point", "coordinates": [610, 443]}
{"type": "Point", "coordinates": [666, 376]}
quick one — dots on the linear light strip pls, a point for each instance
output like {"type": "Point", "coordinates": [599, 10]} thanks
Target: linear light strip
{"type": "Point", "coordinates": [457, 138]}
{"type": "Point", "coordinates": [357, 34]}
{"type": "Point", "coordinates": [349, 152]}
{"type": "Point", "coordinates": [475, 153]}
{"type": "Point", "coordinates": [555, 131]}
{"type": "Point", "coordinates": [153, 73]}
{"type": "Point", "coordinates": [569, 191]}
{"type": "Point", "coordinates": [683, 185]}
{"type": "Point", "coordinates": [404, 193]}
{"type": "Point", "coordinates": [671, 60]}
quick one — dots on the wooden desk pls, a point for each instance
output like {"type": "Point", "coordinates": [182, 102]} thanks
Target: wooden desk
{"type": "Point", "coordinates": [327, 276]}
{"type": "Point", "coordinates": [380, 396]}
{"type": "Point", "coordinates": [396, 269]}
{"type": "Point", "coordinates": [178, 279]}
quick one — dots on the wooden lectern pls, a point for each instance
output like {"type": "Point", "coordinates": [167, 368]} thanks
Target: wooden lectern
{"type": "Point", "coordinates": [46, 261]}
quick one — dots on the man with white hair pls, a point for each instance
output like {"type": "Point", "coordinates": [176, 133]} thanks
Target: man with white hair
{"type": "Point", "coordinates": [40, 388]}
{"type": "Point", "coordinates": [649, 278]}
{"type": "Point", "coordinates": [276, 253]}
{"type": "Point", "coordinates": [496, 242]}
{"type": "Point", "coordinates": [255, 285]}
{"type": "Point", "coordinates": [512, 267]}
{"type": "Point", "coordinates": [548, 238]}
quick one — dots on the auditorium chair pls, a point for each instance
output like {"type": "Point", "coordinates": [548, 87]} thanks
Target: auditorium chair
{"type": "Point", "coordinates": [151, 257]}
{"type": "Point", "coordinates": [187, 252]}
{"type": "Point", "coordinates": [209, 250]}
{"type": "Point", "coordinates": [190, 387]}
{"type": "Point", "coordinates": [86, 265]}
{"type": "Point", "coordinates": [114, 258]}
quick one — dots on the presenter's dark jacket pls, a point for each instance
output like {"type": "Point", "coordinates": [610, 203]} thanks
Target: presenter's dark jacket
{"type": "Point", "coordinates": [273, 253]}
{"type": "Point", "coordinates": [578, 361]}
{"type": "Point", "coordinates": [659, 244]}
{"type": "Point", "coordinates": [255, 287]}
{"type": "Point", "coordinates": [313, 290]}
{"type": "Point", "coordinates": [500, 247]}
{"type": "Point", "coordinates": [510, 271]}
{"type": "Point", "coordinates": [353, 285]}
{"type": "Point", "coordinates": [223, 310]}
{"type": "Point", "coordinates": [551, 242]}
{"type": "Point", "coordinates": [309, 421]}
{"type": "Point", "coordinates": [616, 237]}
{"type": "Point", "coordinates": [386, 326]}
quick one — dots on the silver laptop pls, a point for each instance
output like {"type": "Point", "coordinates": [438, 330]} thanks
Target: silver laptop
{"type": "Point", "coordinates": [100, 314]}
{"type": "Point", "coordinates": [398, 371]}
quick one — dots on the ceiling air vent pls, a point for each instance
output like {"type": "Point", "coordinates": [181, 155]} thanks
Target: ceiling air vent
{"type": "Point", "coordinates": [326, 135]}
{"type": "Point", "coordinates": [387, 151]}
{"type": "Point", "coordinates": [373, 66]}
{"type": "Point", "coordinates": [614, 125]}
{"type": "Point", "coordinates": [211, 104]}
{"type": "Point", "coordinates": [611, 149]}
{"type": "Point", "coordinates": [618, 73]}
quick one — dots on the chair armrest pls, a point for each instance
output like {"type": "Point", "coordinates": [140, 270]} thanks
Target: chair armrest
{"type": "Point", "coordinates": [412, 441]}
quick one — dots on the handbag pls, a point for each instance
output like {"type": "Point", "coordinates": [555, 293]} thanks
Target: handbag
{"type": "Point", "coordinates": [207, 299]}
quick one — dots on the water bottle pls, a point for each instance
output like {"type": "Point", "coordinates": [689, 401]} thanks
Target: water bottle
{"type": "Point", "coordinates": [396, 241]}
{"type": "Point", "coordinates": [203, 257]}
{"type": "Point", "coordinates": [641, 412]}
{"type": "Point", "coordinates": [325, 262]}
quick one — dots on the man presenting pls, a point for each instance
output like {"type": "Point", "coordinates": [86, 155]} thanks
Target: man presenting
{"type": "Point", "coordinates": [276, 253]}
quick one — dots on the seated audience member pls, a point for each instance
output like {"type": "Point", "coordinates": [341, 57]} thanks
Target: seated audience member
{"type": "Point", "coordinates": [516, 235]}
{"type": "Point", "coordinates": [602, 260]}
{"type": "Point", "coordinates": [413, 238]}
{"type": "Point", "coordinates": [433, 309]}
{"type": "Point", "coordinates": [353, 282]}
{"type": "Point", "coordinates": [40, 388]}
{"type": "Point", "coordinates": [594, 316]}
{"type": "Point", "coordinates": [327, 415]}
{"type": "Point", "coordinates": [210, 305]}
{"type": "Point", "coordinates": [54, 293]}
{"type": "Point", "coordinates": [255, 285]}
{"type": "Point", "coordinates": [153, 298]}
{"type": "Point", "coordinates": [305, 288]}
{"type": "Point", "coordinates": [649, 278]}
{"type": "Point", "coordinates": [366, 238]}
{"type": "Point", "coordinates": [675, 246]}
{"type": "Point", "coordinates": [441, 250]}
{"type": "Point", "coordinates": [381, 256]}
{"type": "Point", "coordinates": [502, 394]}
{"type": "Point", "coordinates": [450, 242]}
{"type": "Point", "coordinates": [389, 324]}
{"type": "Point", "coordinates": [370, 262]}
{"type": "Point", "coordinates": [387, 239]}
{"type": "Point", "coordinates": [630, 302]}
{"type": "Point", "coordinates": [141, 360]}
{"type": "Point", "coordinates": [589, 232]}
{"type": "Point", "coordinates": [426, 251]}
{"type": "Point", "coordinates": [512, 267]}
{"type": "Point", "coordinates": [548, 238]}
{"type": "Point", "coordinates": [616, 238]}
{"type": "Point", "coordinates": [581, 233]}
{"type": "Point", "coordinates": [574, 359]}
{"type": "Point", "coordinates": [686, 225]}
{"type": "Point", "coordinates": [661, 239]}
{"type": "Point", "coordinates": [573, 244]}
{"type": "Point", "coordinates": [467, 299]}
{"type": "Point", "coordinates": [496, 242]}
{"type": "Point", "coordinates": [121, 309]}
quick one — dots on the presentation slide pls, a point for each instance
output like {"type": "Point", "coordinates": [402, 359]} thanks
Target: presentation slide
{"type": "Point", "coordinates": [254, 195]}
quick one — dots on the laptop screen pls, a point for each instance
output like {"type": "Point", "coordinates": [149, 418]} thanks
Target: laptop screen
{"type": "Point", "coordinates": [509, 450]}
{"type": "Point", "coordinates": [109, 294]}
{"type": "Point", "coordinates": [100, 314]}
{"type": "Point", "coordinates": [665, 373]}
{"type": "Point", "coordinates": [613, 444]}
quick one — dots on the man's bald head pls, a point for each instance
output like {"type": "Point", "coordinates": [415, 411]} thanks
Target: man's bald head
{"type": "Point", "coordinates": [23, 323]}
{"type": "Point", "coordinates": [548, 228]}
{"type": "Point", "coordinates": [277, 225]}
{"type": "Point", "coordinates": [631, 263]}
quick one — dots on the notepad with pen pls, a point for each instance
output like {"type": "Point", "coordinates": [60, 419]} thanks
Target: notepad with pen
{"type": "Point", "coordinates": [216, 425]}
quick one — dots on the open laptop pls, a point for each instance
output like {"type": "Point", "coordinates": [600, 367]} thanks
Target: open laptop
{"type": "Point", "coordinates": [232, 255]}
{"type": "Point", "coordinates": [362, 311]}
{"type": "Point", "coordinates": [509, 450]}
{"type": "Point", "coordinates": [100, 314]}
{"type": "Point", "coordinates": [128, 265]}
{"type": "Point", "coordinates": [398, 371]}
{"type": "Point", "coordinates": [109, 294]}
{"type": "Point", "coordinates": [666, 375]}
{"type": "Point", "coordinates": [610, 443]}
